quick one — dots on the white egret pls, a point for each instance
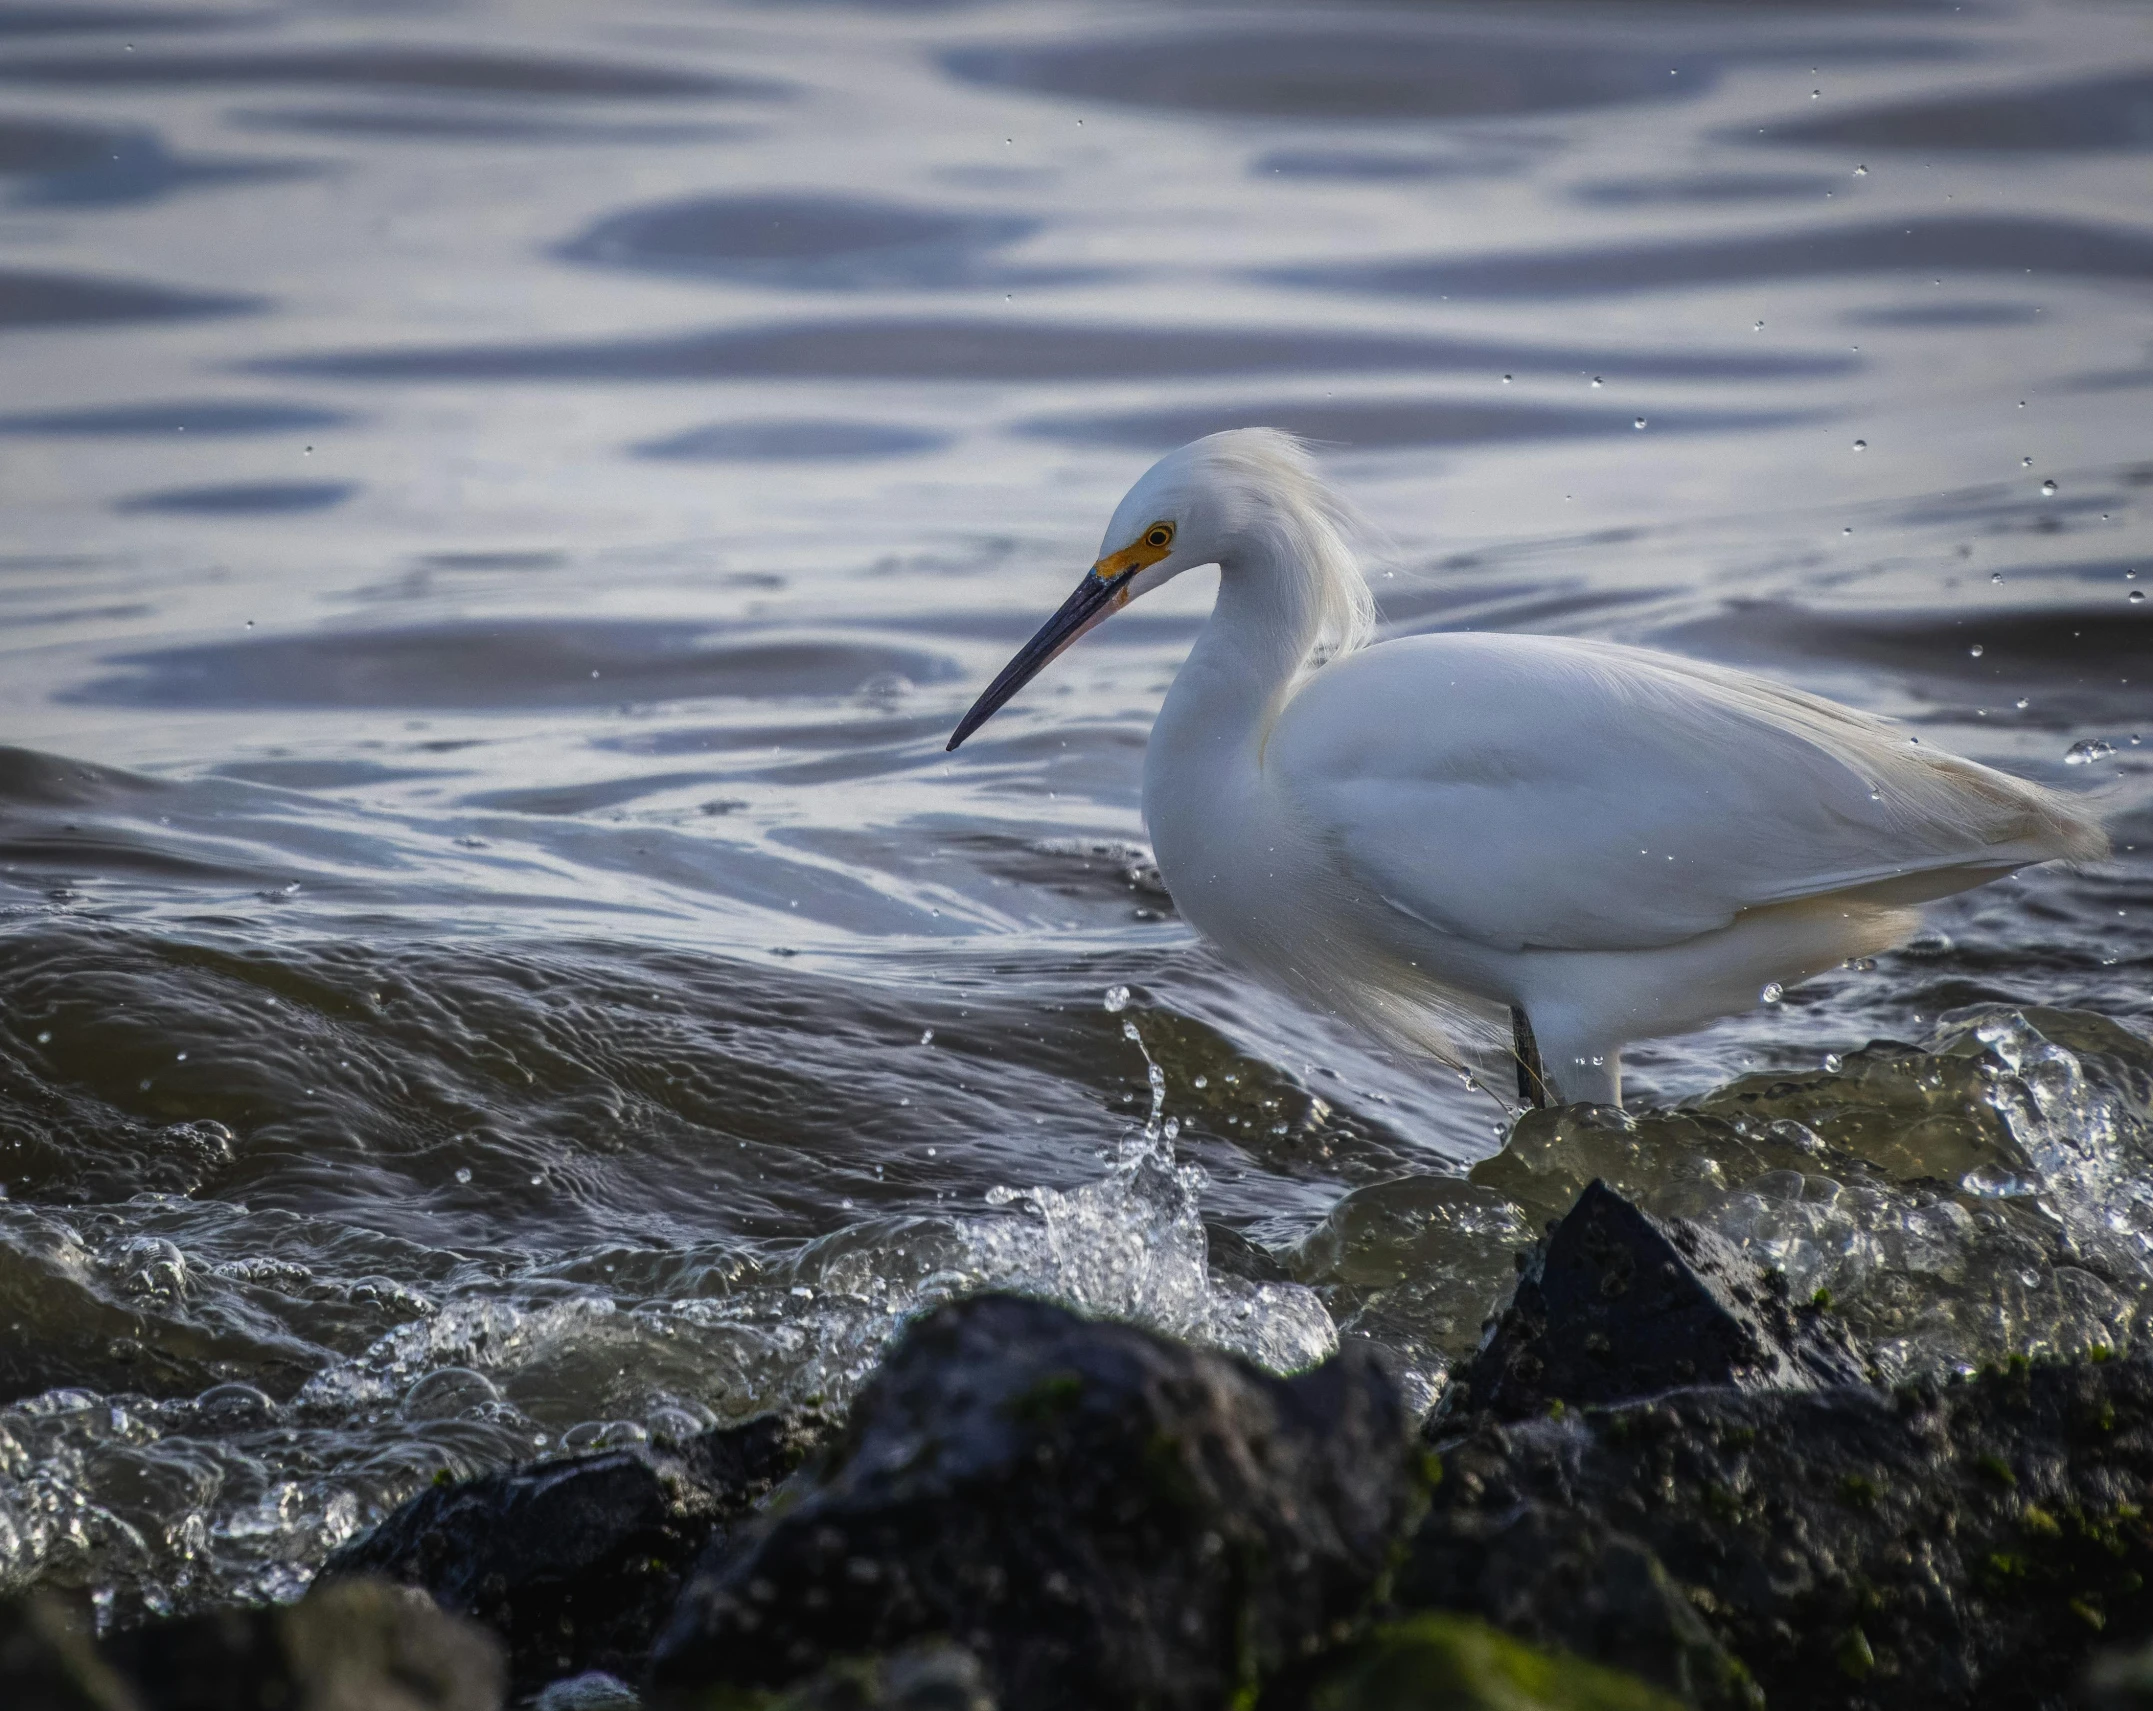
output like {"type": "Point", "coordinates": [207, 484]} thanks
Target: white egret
{"type": "Point", "coordinates": [1613, 843]}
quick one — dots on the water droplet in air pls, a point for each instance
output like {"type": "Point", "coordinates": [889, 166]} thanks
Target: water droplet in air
{"type": "Point", "coordinates": [1773, 992]}
{"type": "Point", "coordinates": [2136, 595]}
{"type": "Point", "coordinates": [463, 1173]}
{"type": "Point", "coordinates": [1861, 172]}
{"type": "Point", "coordinates": [1977, 650]}
{"type": "Point", "coordinates": [1816, 94]}
{"type": "Point", "coordinates": [2085, 753]}
{"type": "Point", "coordinates": [1506, 380]}
{"type": "Point", "coordinates": [1596, 380]}
{"type": "Point", "coordinates": [1639, 423]}
{"type": "Point", "coordinates": [1202, 1081]}
{"type": "Point", "coordinates": [1117, 1000]}
{"type": "Point", "coordinates": [2022, 703]}
{"type": "Point", "coordinates": [2025, 463]}
{"type": "Point", "coordinates": [2048, 489]}
{"type": "Point", "coordinates": [1861, 445]}
{"type": "Point", "coordinates": [1758, 328]}
{"type": "Point", "coordinates": [927, 1037]}
{"type": "Point", "coordinates": [1997, 578]}
{"type": "Point", "coordinates": [45, 1039]}
{"type": "Point", "coordinates": [1833, 1063]}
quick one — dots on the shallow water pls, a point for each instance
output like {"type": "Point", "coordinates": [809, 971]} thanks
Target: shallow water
{"type": "Point", "coordinates": [504, 504]}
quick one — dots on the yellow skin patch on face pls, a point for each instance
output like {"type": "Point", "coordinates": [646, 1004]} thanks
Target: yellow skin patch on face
{"type": "Point", "coordinates": [1151, 546]}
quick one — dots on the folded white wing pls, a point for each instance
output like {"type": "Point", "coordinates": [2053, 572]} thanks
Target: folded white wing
{"type": "Point", "coordinates": [1531, 791]}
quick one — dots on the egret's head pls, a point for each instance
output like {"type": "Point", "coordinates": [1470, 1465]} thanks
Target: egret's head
{"type": "Point", "coordinates": [1248, 491]}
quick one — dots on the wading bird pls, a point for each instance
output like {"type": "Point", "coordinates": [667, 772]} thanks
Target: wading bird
{"type": "Point", "coordinates": [1612, 843]}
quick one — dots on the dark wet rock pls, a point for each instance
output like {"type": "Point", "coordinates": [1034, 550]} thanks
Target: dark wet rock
{"type": "Point", "coordinates": [935, 1676]}
{"type": "Point", "coordinates": [49, 1663]}
{"type": "Point", "coordinates": [1100, 1515]}
{"type": "Point", "coordinates": [1939, 1546]}
{"type": "Point", "coordinates": [358, 1646]}
{"type": "Point", "coordinates": [574, 1563]}
{"type": "Point", "coordinates": [2119, 1679]}
{"type": "Point", "coordinates": [1463, 1665]}
{"type": "Point", "coordinates": [1570, 1580]}
{"type": "Point", "coordinates": [1617, 1304]}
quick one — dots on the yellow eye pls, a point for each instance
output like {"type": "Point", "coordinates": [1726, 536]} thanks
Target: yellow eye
{"type": "Point", "coordinates": [1160, 534]}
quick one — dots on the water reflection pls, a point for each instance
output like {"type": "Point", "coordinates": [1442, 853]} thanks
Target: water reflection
{"type": "Point", "coordinates": [814, 243]}
{"type": "Point", "coordinates": [1922, 247]}
{"type": "Point", "coordinates": [2100, 113]}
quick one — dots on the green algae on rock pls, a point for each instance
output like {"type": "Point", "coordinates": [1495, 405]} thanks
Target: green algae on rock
{"type": "Point", "coordinates": [1463, 1665]}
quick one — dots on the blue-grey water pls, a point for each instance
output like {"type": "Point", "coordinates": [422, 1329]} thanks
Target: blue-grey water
{"type": "Point", "coordinates": [501, 505]}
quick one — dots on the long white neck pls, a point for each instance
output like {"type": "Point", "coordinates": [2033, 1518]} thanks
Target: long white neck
{"type": "Point", "coordinates": [1262, 628]}
{"type": "Point", "coordinates": [1204, 762]}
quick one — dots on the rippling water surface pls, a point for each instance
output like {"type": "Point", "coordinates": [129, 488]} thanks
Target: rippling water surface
{"type": "Point", "coordinates": [503, 505]}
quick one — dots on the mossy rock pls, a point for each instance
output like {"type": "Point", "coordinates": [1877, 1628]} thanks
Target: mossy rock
{"type": "Point", "coordinates": [1454, 1663]}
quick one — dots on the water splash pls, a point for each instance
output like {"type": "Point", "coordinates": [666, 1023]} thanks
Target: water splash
{"type": "Point", "coordinates": [1988, 1195]}
{"type": "Point", "coordinates": [1131, 1245]}
{"type": "Point", "coordinates": [234, 1496]}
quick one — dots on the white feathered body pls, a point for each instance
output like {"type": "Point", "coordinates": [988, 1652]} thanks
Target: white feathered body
{"type": "Point", "coordinates": [1621, 843]}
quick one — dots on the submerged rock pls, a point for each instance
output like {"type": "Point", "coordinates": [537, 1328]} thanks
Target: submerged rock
{"type": "Point", "coordinates": [1100, 1515]}
{"type": "Point", "coordinates": [575, 1563]}
{"type": "Point", "coordinates": [1942, 1546]}
{"type": "Point", "coordinates": [359, 1646]}
{"type": "Point", "coordinates": [1617, 1304]}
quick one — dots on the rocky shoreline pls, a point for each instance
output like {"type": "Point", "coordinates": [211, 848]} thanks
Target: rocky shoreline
{"type": "Point", "coordinates": [1661, 1482]}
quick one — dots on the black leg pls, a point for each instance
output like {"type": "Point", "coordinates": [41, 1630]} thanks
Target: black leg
{"type": "Point", "coordinates": [1532, 1079]}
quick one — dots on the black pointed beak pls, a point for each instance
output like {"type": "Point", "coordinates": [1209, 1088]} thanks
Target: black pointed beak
{"type": "Point", "coordinates": [1095, 597]}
